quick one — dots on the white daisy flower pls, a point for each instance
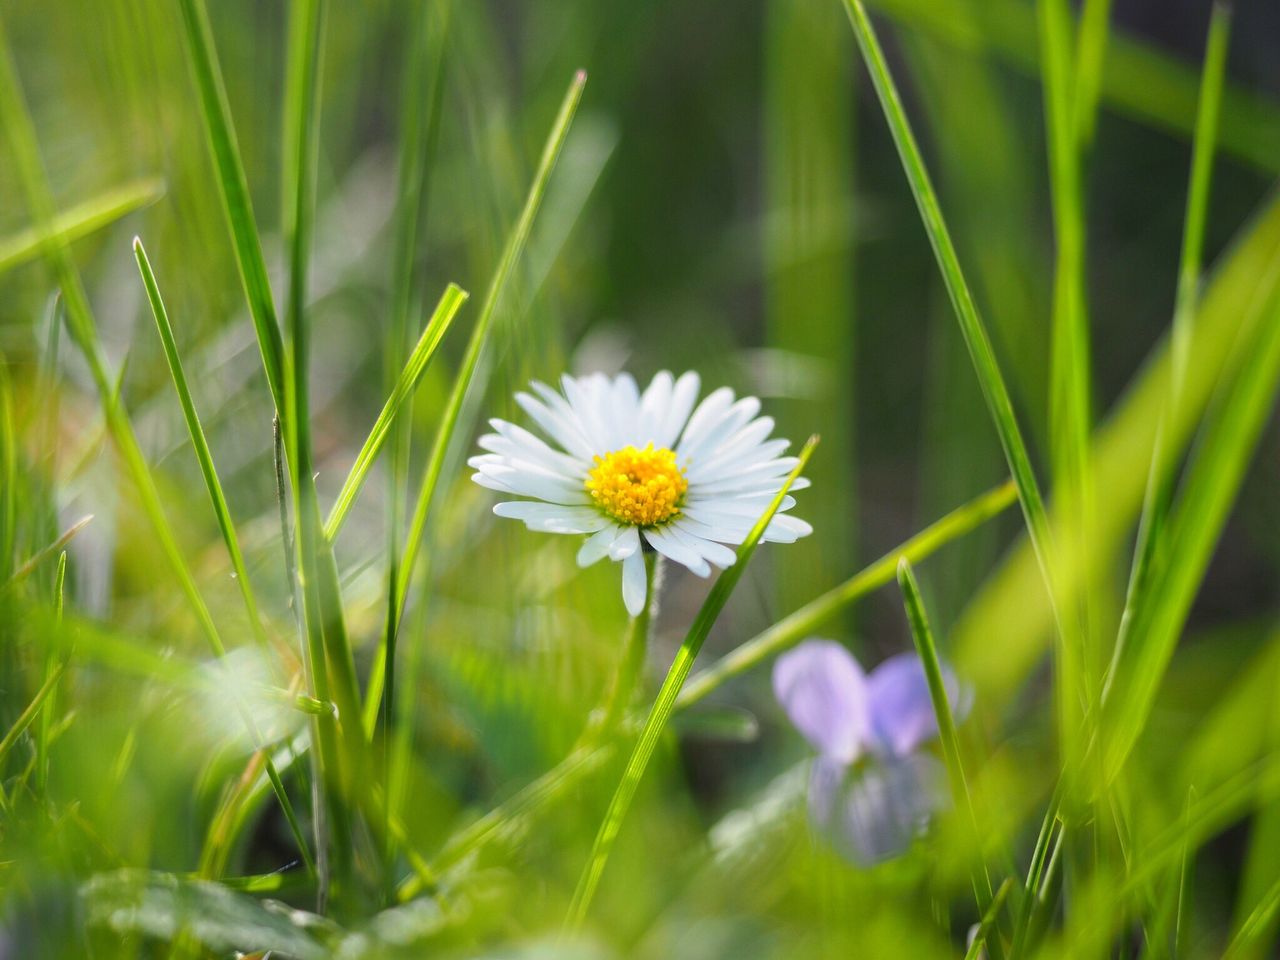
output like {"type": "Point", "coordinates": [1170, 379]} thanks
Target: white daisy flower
{"type": "Point", "coordinates": [642, 471]}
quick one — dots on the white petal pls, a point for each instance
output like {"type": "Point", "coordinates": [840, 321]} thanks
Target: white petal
{"type": "Point", "coordinates": [710, 410]}
{"type": "Point", "coordinates": [750, 508]}
{"type": "Point", "coordinates": [628, 543]}
{"type": "Point", "coordinates": [674, 550]}
{"type": "Point", "coordinates": [708, 549]}
{"type": "Point", "coordinates": [745, 458]}
{"type": "Point", "coordinates": [624, 400]}
{"type": "Point", "coordinates": [633, 583]}
{"type": "Point", "coordinates": [534, 447]}
{"type": "Point", "coordinates": [785, 529]}
{"type": "Point", "coordinates": [559, 424]}
{"type": "Point", "coordinates": [598, 544]}
{"type": "Point", "coordinates": [553, 517]}
{"type": "Point", "coordinates": [529, 482]}
{"type": "Point", "coordinates": [584, 400]}
{"type": "Point", "coordinates": [708, 440]}
{"type": "Point", "coordinates": [720, 532]}
{"type": "Point", "coordinates": [654, 404]}
{"type": "Point", "coordinates": [683, 397]}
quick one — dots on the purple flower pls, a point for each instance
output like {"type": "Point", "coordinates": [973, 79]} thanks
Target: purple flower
{"type": "Point", "coordinates": [872, 812]}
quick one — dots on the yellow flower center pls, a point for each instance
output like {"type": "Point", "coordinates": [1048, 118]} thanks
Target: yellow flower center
{"type": "Point", "coordinates": [639, 487]}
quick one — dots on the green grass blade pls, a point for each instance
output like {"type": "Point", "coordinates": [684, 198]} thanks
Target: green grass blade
{"type": "Point", "coordinates": [29, 714]}
{"type": "Point", "coordinates": [803, 622]}
{"type": "Point", "coordinates": [52, 665]}
{"type": "Point", "coordinates": [511, 253]}
{"type": "Point", "coordinates": [199, 442]}
{"type": "Point", "coordinates": [81, 220]}
{"type": "Point", "coordinates": [990, 379]}
{"type": "Point", "coordinates": [1069, 416]}
{"type": "Point", "coordinates": [947, 737]}
{"type": "Point", "coordinates": [1255, 926]}
{"type": "Point", "coordinates": [1155, 506]}
{"type": "Point", "coordinates": [233, 187]}
{"type": "Point", "coordinates": [977, 948]}
{"type": "Point", "coordinates": [1138, 80]}
{"type": "Point", "coordinates": [665, 703]}
{"type": "Point", "coordinates": [8, 476]}
{"type": "Point", "coordinates": [452, 300]}
{"type": "Point", "coordinates": [1195, 523]}
{"type": "Point", "coordinates": [29, 567]}
{"type": "Point", "coordinates": [1095, 29]}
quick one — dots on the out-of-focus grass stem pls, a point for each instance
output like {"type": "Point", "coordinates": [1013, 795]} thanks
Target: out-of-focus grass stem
{"type": "Point", "coordinates": [961, 797]}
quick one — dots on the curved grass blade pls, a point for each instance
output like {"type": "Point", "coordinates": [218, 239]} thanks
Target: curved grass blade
{"type": "Point", "coordinates": [801, 623]}
{"type": "Point", "coordinates": [990, 379]}
{"type": "Point", "coordinates": [29, 567]}
{"type": "Point", "coordinates": [1091, 54]}
{"type": "Point", "coordinates": [511, 253]}
{"type": "Point", "coordinates": [51, 665]}
{"type": "Point", "coordinates": [1138, 80]}
{"type": "Point", "coordinates": [8, 477]}
{"type": "Point", "coordinates": [928, 652]}
{"type": "Point", "coordinates": [1155, 505]}
{"type": "Point", "coordinates": [452, 300]}
{"type": "Point", "coordinates": [1196, 521]}
{"type": "Point", "coordinates": [199, 442]}
{"type": "Point", "coordinates": [233, 187]}
{"type": "Point", "coordinates": [81, 220]}
{"type": "Point", "coordinates": [666, 702]}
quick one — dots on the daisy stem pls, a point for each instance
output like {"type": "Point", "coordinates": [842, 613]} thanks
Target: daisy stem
{"type": "Point", "coordinates": [928, 652]}
{"type": "Point", "coordinates": [633, 656]}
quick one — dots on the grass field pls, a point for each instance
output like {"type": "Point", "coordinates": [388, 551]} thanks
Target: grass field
{"type": "Point", "coordinates": [303, 303]}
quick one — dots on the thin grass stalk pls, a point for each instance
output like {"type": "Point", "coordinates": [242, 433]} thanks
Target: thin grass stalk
{"type": "Point", "coordinates": [30, 565]}
{"type": "Point", "coordinates": [511, 253]}
{"type": "Point", "coordinates": [51, 665]}
{"type": "Point", "coordinates": [665, 703]}
{"type": "Point", "coordinates": [332, 667]}
{"type": "Point", "coordinates": [8, 476]}
{"type": "Point", "coordinates": [1160, 481]}
{"type": "Point", "coordinates": [1196, 521]}
{"type": "Point", "coordinates": [233, 188]}
{"type": "Point", "coordinates": [80, 221]}
{"type": "Point", "coordinates": [990, 379]}
{"type": "Point", "coordinates": [407, 382]}
{"type": "Point", "coordinates": [422, 93]}
{"type": "Point", "coordinates": [200, 443]}
{"type": "Point", "coordinates": [802, 622]}
{"type": "Point", "coordinates": [1091, 55]}
{"type": "Point", "coordinates": [961, 796]}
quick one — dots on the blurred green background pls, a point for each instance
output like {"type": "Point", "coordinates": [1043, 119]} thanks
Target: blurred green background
{"type": "Point", "coordinates": [728, 201]}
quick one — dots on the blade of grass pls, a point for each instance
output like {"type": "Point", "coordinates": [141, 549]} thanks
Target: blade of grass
{"type": "Point", "coordinates": [1138, 80]}
{"type": "Point", "coordinates": [422, 92]}
{"type": "Point", "coordinates": [29, 713]}
{"type": "Point", "coordinates": [1155, 506]}
{"type": "Point", "coordinates": [992, 382]}
{"type": "Point", "coordinates": [199, 442]}
{"type": "Point", "coordinates": [233, 188]}
{"type": "Point", "coordinates": [961, 797]}
{"type": "Point", "coordinates": [8, 476]}
{"type": "Point", "coordinates": [1255, 926]}
{"type": "Point", "coordinates": [45, 553]}
{"type": "Point", "coordinates": [1091, 53]}
{"type": "Point", "coordinates": [988, 923]}
{"type": "Point", "coordinates": [1196, 521]}
{"type": "Point", "coordinates": [451, 301]}
{"type": "Point", "coordinates": [801, 623]}
{"type": "Point", "coordinates": [332, 667]}
{"type": "Point", "coordinates": [51, 666]}
{"type": "Point", "coordinates": [665, 703]}
{"type": "Point", "coordinates": [511, 253]}
{"type": "Point", "coordinates": [81, 220]}
{"type": "Point", "coordinates": [782, 635]}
